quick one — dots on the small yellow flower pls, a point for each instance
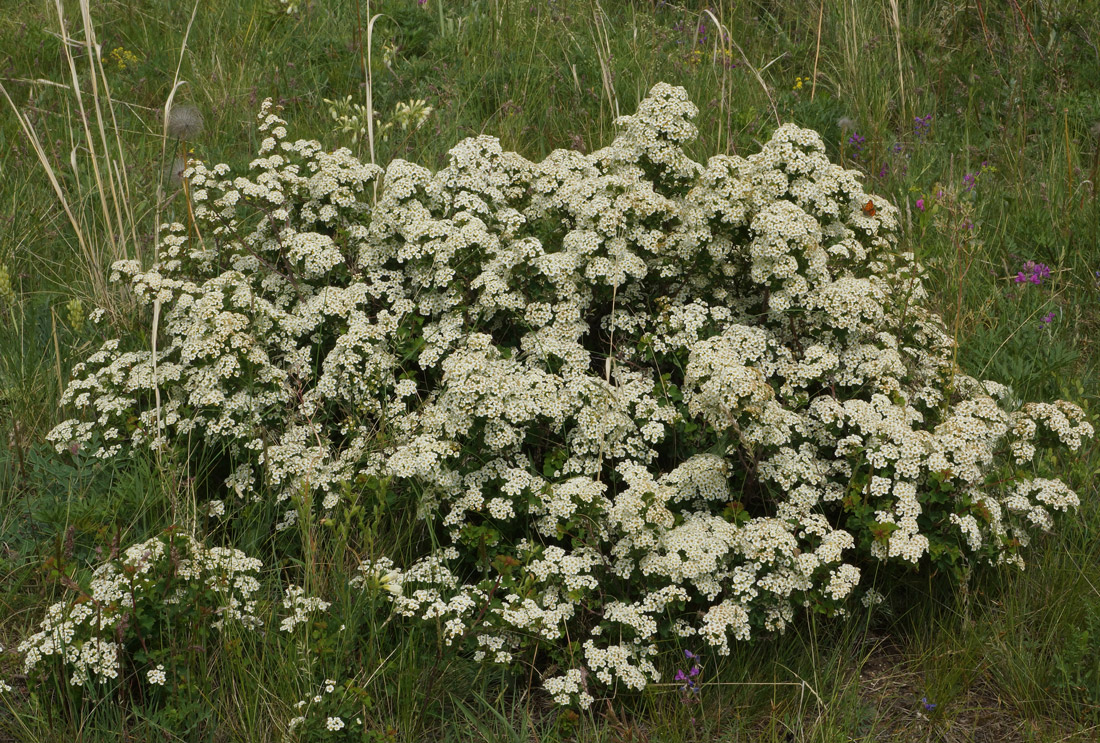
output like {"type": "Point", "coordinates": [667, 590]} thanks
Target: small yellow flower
{"type": "Point", "coordinates": [798, 83]}
{"type": "Point", "coordinates": [123, 58]}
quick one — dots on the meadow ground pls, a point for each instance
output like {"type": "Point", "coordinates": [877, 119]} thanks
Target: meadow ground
{"type": "Point", "coordinates": [979, 120]}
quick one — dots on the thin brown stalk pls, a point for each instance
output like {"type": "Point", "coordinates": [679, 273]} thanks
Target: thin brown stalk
{"type": "Point", "coordinates": [1027, 26]}
{"type": "Point", "coordinates": [603, 53]}
{"type": "Point", "coordinates": [988, 43]}
{"type": "Point", "coordinates": [1069, 159]}
{"type": "Point", "coordinates": [57, 354]}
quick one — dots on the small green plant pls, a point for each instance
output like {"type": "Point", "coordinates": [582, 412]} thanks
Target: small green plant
{"type": "Point", "coordinates": [335, 712]}
{"type": "Point", "coordinates": [351, 119]}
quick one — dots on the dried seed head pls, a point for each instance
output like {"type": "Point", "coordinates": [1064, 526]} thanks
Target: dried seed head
{"type": "Point", "coordinates": [175, 171]}
{"type": "Point", "coordinates": [846, 124]}
{"type": "Point", "coordinates": [184, 122]}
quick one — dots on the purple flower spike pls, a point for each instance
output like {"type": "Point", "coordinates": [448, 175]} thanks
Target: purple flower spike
{"type": "Point", "coordinates": [1033, 273]}
{"type": "Point", "coordinates": [680, 676]}
{"type": "Point", "coordinates": [920, 204]}
{"type": "Point", "coordinates": [1048, 318]}
{"type": "Point", "coordinates": [922, 125]}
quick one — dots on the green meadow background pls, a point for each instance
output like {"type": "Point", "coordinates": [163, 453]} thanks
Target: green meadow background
{"type": "Point", "coordinates": [980, 119]}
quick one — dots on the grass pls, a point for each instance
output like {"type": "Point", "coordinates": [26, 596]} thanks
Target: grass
{"type": "Point", "coordinates": [84, 165]}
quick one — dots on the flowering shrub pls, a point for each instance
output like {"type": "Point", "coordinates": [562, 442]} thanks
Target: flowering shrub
{"type": "Point", "coordinates": [136, 602]}
{"type": "Point", "coordinates": [632, 396]}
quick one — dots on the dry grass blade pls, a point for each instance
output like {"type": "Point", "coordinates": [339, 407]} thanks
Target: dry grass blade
{"type": "Point", "coordinates": [91, 259]}
{"type": "Point", "coordinates": [603, 53]}
{"type": "Point", "coordinates": [118, 233]}
{"type": "Point", "coordinates": [896, 20]}
{"type": "Point", "coordinates": [89, 141]}
{"type": "Point", "coordinates": [817, 48]}
{"type": "Point", "coordinates": [370, 86]}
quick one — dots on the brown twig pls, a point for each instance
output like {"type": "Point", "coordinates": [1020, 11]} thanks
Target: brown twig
{"type": "Point", "coordinates": [1028, 27]}
{"type": "Point", "coordinates": [817, 49]}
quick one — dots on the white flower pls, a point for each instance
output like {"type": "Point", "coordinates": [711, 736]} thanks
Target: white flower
{"type": "Point", "coordinates": [624, 368]}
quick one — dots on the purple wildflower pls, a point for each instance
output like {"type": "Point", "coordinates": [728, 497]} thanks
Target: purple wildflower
{"type": "Point", "coordinates": [920, 204]}
{"type": "Point", "coordinates": [1033, 273]}
{"type": "Point", "coordinates": [688, 686]}
{"type": "Point", "coordinates": [922, 125]}
{"type": "Point", "coordinates": [927, 705]}
{"type": "Point", "coordinates": [1048, 318]}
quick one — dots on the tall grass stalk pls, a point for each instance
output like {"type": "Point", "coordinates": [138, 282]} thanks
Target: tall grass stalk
{"type": "Point", "coordinates": [111, 187]}
{"type": "Point", "coordinates": [896, 22]}
{"type": "Point", "coordinates": [602, 43]}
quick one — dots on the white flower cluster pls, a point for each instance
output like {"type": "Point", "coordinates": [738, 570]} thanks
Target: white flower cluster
{"type": "Point", "coordinates": [299, 607]}
{"type": "Point", "coordinates": [568, 687]}
{"type": "Point", "coordinates": [156, 676]}
{"type": "Point", "coordinates": [630, 391]}
{"type": "Point", "coordinates": [85, 634]}
{"type": "Point", "coordinates": [326, 712]}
